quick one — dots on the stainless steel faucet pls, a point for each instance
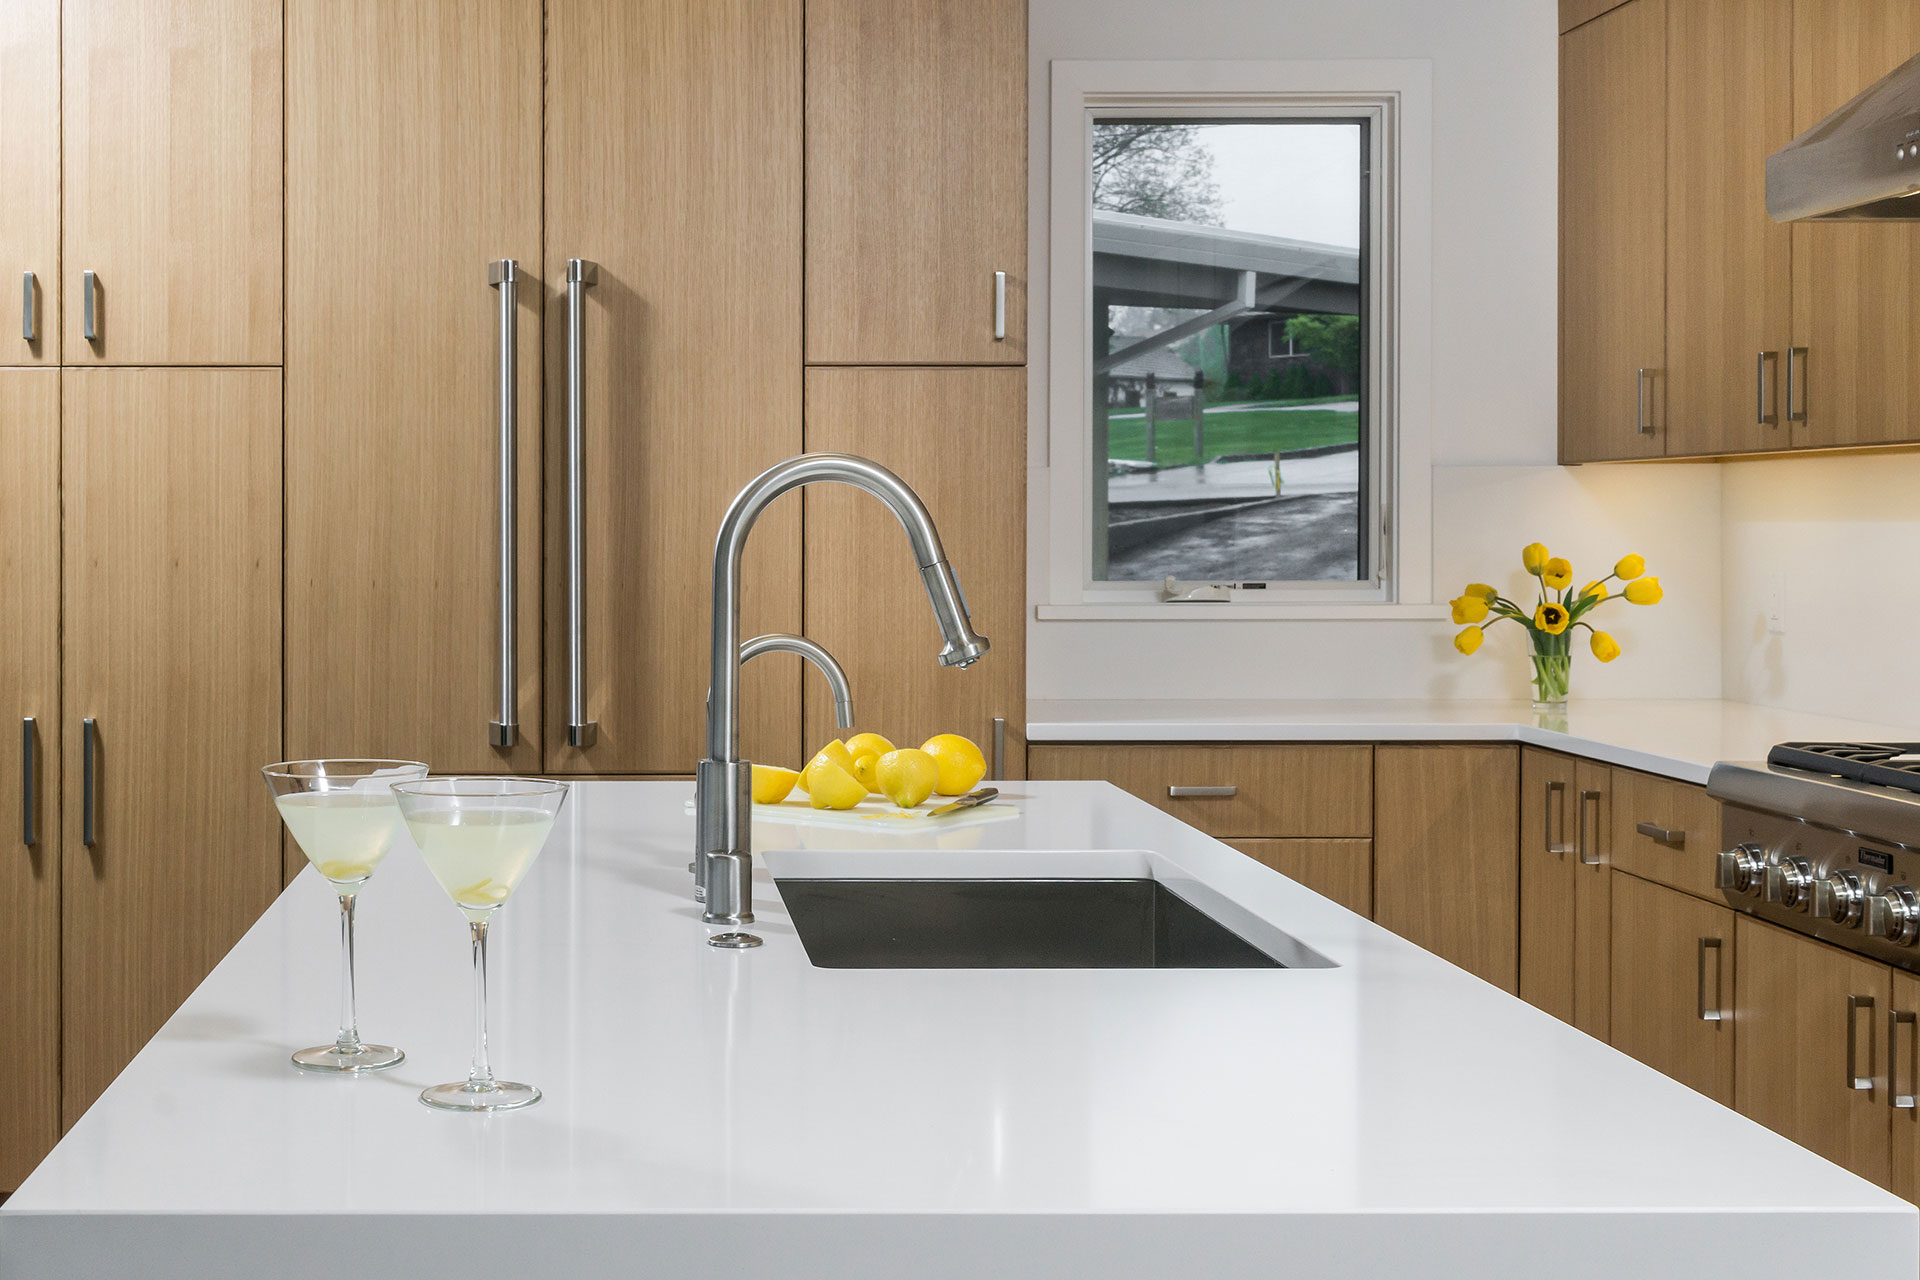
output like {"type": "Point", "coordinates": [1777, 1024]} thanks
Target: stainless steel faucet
{"type": "Point", "coordinates": [723, 805]}
{"type": "Point", "coordinates": [781, 642]}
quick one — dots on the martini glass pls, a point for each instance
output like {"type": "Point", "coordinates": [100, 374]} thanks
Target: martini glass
{"type": "Point", "coordinates": [342, 815]}
{"type": "Point", "coordinates": [479, 836]}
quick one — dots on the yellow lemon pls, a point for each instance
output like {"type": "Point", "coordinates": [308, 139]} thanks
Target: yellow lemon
{"type": "Point", "coordinates": [906, 777]}
{"type": "Point", "coordinates": [772, 784]}
{"type": "Point", "coordinates": [837, 752]}
{"type": "Point", "coordinates": [863, 769]}
{"type": "Point", "coordinates": [831, 787]}
{"type": "Point", "coordinates": [861, 743]}
{"type": "Point", "coordinates": [959, 762]}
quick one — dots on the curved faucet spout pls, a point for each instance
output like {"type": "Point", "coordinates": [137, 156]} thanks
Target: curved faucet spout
{"type": "Point", "coordinates": [781, 642]}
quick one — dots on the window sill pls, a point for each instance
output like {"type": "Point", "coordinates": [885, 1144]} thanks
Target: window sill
{"type": "Point", "coordinates": [1223, 611]}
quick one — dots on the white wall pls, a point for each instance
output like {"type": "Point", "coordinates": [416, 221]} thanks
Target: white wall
{"type": "Point", "coordinates": [1495, 161]}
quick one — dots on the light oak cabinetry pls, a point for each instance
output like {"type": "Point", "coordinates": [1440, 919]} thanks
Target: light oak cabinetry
{"type": "Point", "coordinates": [1446, 868]}
{"type": "Point", "coordinates": [1903, 1084]}
{"type": "Point", "coordinates": [30, 191]}
{"type": "Point", "coordinates": [916, 181]}
{"type": "Point", "coordinates": [1340, 869]}
{"type": "Point", "coordinates": [1672, 984]}
{"type": "Point", "coordinates": [1665, 831]}
{"type": "Point", "coordinates": [172, 180]}
{"type": "Point", "coordinates": [1565, 887]}
{"type": "Point", "coordinates": [30, 725]}
{"type": "Point", "coordinates": [171, 847]}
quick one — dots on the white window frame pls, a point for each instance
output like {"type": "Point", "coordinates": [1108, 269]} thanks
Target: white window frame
{"type": "Point", "coordinates": [1277, 333]}
{"type": "Point", "coordinates": [1396, 98]}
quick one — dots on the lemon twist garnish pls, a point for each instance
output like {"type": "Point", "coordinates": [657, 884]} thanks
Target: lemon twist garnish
{"type": "Point", "coordinates": [481, 893]}
{"type": "Point", "coordinates": [341, 870]}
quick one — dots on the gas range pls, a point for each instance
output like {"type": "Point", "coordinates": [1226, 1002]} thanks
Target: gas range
{"type": "Point", "coordinates": [1824, 838]}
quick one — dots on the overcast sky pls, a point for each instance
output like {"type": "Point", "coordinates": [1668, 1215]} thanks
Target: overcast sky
{"type": "Point", "coordinates": [1297, 180]}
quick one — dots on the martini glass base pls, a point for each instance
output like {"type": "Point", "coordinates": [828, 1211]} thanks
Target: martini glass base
{"type": "Point", "coordinates": [328, 1059]}
{"type": "Point", "coordinates": [505, 1095]}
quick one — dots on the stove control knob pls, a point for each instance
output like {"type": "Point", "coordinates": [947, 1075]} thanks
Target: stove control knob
{"type": "Point", "coordinates": [1743, 868]}
{"type": "Point", "coordinates": [1841, 898]}
{"type": "Point", "coordinates": [1790, 882]}
{"type": "Point", "coordinates": [1895, 916]}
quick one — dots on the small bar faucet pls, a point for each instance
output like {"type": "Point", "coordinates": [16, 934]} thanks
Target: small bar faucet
{"type": "Point", "coordinates": [781, 642]}
{"type": "Point", "coordinates": [723, 785]}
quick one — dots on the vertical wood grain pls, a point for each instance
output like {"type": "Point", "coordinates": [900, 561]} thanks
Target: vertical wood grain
{"type": "Point", "coordinates": [30, 175]}
{"type": "Point", "coordinates": [1549, 813]}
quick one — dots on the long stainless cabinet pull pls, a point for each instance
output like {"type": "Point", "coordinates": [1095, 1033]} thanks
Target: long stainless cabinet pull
{"type": "Point", "coordinates": [89, 291]}
{"type": "Point", "coordinates": [1665, 835]}
{"type": "Point", "coordinates": [1710, 1011]}
{"type": "Point", "coordinates": [29, 309]}
{"type": "Point", "coordinates": [504, 276]}
{"type": "Point", "coordinates": [999, 747]}
{"type": "Point", "coordinates": [29, 771]}
{"type": "Point", "coordinates": [1560, 848]}
{"type": "Point", "coordinates": [999, 306]}
{"type": "Point", "coordinates": [581, 732]}
{"type": "Point", "coordinates": [1586, 856]}
{"type": "Point", "coordinates": [1198, 793]}
{"type": "Point", "coordinates": [1793, 414]}
{"type": "Point", "coordinates": [87, 734]}
{"type": "Point", "coordinates": [1640, 424]}
{"type": "Point", "coordinates": [1855, 1080]}
{"type": "Point", "coordinates": [1761, 416]}
{"type": "Point", "coordinates": [1897, 1018]}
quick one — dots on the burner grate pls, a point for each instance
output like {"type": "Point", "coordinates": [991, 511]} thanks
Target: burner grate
{"type": "Point", "coordinates": [1884, 764]}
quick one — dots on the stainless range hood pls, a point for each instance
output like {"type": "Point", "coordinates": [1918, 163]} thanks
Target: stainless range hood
{"type": "Point", "coordinates": [1861, 162]}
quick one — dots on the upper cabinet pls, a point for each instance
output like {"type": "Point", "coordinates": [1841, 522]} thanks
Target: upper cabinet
{"type": "Point", "coordinates": [916, 124]}
{"type": "Point", "coordinates": [172, 164]}
{"type": "Point", "coordinates": [29, 182]}
{"type": "Point", "coordinates": [1691, 323]}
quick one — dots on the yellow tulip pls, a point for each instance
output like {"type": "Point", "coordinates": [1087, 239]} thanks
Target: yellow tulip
{"type": "Point", "coordinates": [1630, 567]}
{"type": "Point", "coordinates": [1468, 641]}
{"type": "Point", "coordinates": [1644, 591]}
{"type": "Point", "coordinates": [1481, 591]}
{"type": "Point", "coordinates": [1534, 557]}
{"type": "Point", "coordinates": [1605, 647]}
{"type": "Point", "coordinates": [1469, 609]}
{"type": "Point", "coordinates": [1558, 574]}
{"type": "Point", "coordinates": [1551, 618]}
{"type": "Point", "coordinates": [1598, 590]}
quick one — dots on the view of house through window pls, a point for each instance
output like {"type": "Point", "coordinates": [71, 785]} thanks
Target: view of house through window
{"type": "Point", "coordinates": [1231, 420]}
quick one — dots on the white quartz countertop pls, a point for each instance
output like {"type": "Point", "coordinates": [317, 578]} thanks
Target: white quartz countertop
{"type": "Point", "coordinates": [710, 1111]}
{"type": "Point", "coordinates": [1679, 738]}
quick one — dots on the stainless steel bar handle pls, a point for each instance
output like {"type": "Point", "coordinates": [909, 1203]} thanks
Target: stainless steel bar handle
{"type": "Point", "coordinates": [1561, 848]}
{"type": "Point", "coordinates": [999, 747]}
{"type": "Point", "coordinates": [999, 309]}
{"type": "Point", "coordinates": [1897, 1018]}
{"type": "Point", "coordinates": [1761, 416]}
{"type": "Point", "coordinates": [29, 774]}
{"type": "Point", "coordinates": [89, 292]}
{"type": "Point", "coordinates": [87, 735]}
{"type": "Point", "coordinates": [1194, 793]}
{"type": "Point", "coordinates": [504, 276]}
{"type": "Point", "coordinates": [1665, 835]}
{"type": "Point", "coordinates": [1710, 1011]}
{"type": "Point", "coordinates": [1585, 849]}
{"type": "Point", "coordinates": [581, 732]}
{"type": "Point", "coordinates": [1640, 424]}
{"type": "Point", "coordinates": [1793, 414]}
{"type": "Point", "coordinates": [1855, 1080]}
{"type": "Point", "coordinates": [29, 308]}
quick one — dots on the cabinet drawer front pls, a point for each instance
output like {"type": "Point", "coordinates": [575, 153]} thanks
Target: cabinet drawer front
{"type": "Point", "coordinates": [1665, 831]}
{"type": "Point", "coordinates": [1234, 791]}
{"type": "Point", "coordinates": [1338, 869]}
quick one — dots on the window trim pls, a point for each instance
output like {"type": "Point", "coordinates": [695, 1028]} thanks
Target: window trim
{"type": "Point", "coordinates": [1396, 98]}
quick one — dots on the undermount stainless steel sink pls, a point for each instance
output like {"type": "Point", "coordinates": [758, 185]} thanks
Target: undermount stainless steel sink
{"type": "Point", "coordinates": [978, 922]}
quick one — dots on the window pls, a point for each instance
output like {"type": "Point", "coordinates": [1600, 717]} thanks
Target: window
{"type": "Point", "coordinates": [1240, 408]}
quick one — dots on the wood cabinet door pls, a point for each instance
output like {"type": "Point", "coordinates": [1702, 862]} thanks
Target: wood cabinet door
{"type": "Point", "coordinates": [864, 598]}
{"type": "Point", "coordinates": [172, 647]}
{"type": "Point", "coordinates": [1665, 831]}
{"type": "Point", "coordinates": [1856, 284]}
{"type": "Point", "coordinates": [1273, 789]}
{"type": "Point", "coordinates": [30, 187]}
{"type": "Point", "coordinates": [1565, 888]}
{"type": "Point", "coordinates": [1446, 865]}
{"type": "Point", "coordinates": [1809, 1019]}
{"type": "Point", "coordinates": [173, 178]}
{"type": "Point", "coordinates": [413, 162]}
{"type": "Point", "coordinates": [673, 164]}
{"type": "Point", "coordinates": [1903, 1087]}
{"type": "Point", "coordinates": [1673, 964]}
{"type": "Point", "coordinates": [30, 731]}
{"type": "Point", "coordinates": [1337, 869]}
{"type": "Point", "coordinates": [916, 181]}
{"type": "Point", "coordinates": [1613, 207]}
{"type": "Point", "coordinates": [1729, 68]}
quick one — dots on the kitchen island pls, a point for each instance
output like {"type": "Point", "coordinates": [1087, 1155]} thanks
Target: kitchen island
{"type": "Point", "coordinates": [706, 1110]}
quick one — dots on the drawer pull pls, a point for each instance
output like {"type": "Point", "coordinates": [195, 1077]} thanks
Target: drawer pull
{"type": "Point", "coordinates": [1589, 800]}
{"type": "Point", "coordinates": [1665, 835]}
{"type": "Point", "coordinates": [1855, 1080]}
{"type": "Point", "coordinates": [1710, 1009]}
{"type": "Point", "coordinates": [1191, 793]}
{"type": "Point", "coordinates": [1561, 848]}
{"type": "Point", "coordinates": [1897, 1018]}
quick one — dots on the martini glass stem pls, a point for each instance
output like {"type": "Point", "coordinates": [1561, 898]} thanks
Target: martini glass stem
{"type": "Point", "coordinates": [480, 1078]}
{"type": "Point", "coordinates": [349, 1041]}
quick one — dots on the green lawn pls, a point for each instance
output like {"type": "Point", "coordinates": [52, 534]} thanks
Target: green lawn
{"type": "Point", "coordinates": [1245, 432]}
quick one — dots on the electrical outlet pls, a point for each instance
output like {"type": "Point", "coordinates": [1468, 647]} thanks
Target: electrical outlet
{"type": "Point", "coordinates": [1776, 605]}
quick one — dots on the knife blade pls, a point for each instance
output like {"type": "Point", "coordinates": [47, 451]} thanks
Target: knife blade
{"type": "Point", "coordinates": [972, 799]}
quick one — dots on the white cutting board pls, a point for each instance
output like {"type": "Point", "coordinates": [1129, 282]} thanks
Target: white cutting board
{"type": "Point", "coordinates": [875, 813]}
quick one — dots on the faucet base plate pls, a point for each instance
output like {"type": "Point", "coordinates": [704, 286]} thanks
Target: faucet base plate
{"type": "Point", "coordinates": [734, 941]}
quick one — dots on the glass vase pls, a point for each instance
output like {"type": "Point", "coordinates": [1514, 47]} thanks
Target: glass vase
{"type": "Point", "coordinates": [1552, 667]}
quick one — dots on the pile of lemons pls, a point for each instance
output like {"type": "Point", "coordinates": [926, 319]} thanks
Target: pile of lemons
{"type": "Point", "coordinates": [842, 774]}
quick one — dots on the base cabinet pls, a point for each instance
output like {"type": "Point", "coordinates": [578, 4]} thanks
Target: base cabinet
{"type": "Point", "coordinates": [1337, 869]}
{"type": "Point", "coordinates": [1673, 983]}
{"type": "Point", "coordinates": [1565, 887]}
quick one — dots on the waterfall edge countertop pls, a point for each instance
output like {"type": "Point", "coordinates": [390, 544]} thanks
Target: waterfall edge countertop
{"type": "Point", "coordinates": [1389, 1115]}
{"type": "Point", "coordinates": [1676, 737]}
